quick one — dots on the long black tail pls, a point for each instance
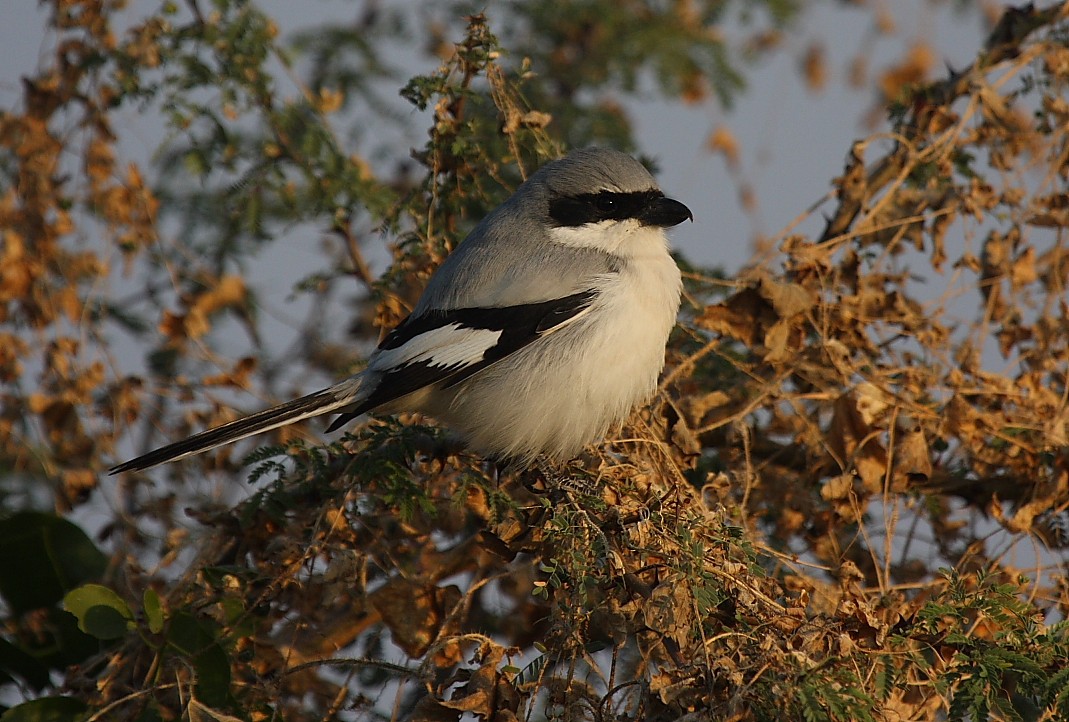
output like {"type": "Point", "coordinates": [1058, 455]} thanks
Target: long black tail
{"type": "Point", "coordinates": [317, 404]}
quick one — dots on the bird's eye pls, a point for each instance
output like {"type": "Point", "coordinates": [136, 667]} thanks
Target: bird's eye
{"type": "Point", "coordinates": [606, 203]}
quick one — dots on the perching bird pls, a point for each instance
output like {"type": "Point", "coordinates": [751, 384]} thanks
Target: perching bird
{"type": "Point", "coordinates": [545, 327]}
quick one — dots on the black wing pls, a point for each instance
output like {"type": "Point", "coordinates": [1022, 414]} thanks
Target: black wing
{"type": "Point", "coordinates": [447, 347]}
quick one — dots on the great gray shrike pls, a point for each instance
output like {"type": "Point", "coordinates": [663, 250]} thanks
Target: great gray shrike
{"type": "Point", "coordinates": [545, 327]}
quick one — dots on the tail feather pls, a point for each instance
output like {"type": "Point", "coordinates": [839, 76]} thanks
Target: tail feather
{"type": "Point", "coordinates": [306, 407]}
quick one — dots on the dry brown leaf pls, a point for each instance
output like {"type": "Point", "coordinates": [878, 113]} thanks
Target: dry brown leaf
{"type": "Point", "coordinates": [960, 418]}
{"type": "Point", "coordinates": [788, 299]}
{"type": "Point", "coordinates": [429, 709]}
{"type": "Point", "coordinates": [912, 458]}
{"type": "Point", "coordinates": [775, 342]}
{"type": "Point", "coordinates": [1023, 269]}
{"type": "Point", "coordinates": [739, 316]}
{"type": "Point", "coordinates": [669, 611]}
{"type": "Point", "coordinates": [937, 233]}
{"type": "Point", "coordinates": [694, 88]}
{"type": "Point", "coordinates": [485, 691]}
{"type": "Point", "coordinates": [723, 141]}
{"type": "Point", "coordinates": [872, 402]}
{"type": "Point", "coordinates": [476, 696]}
{"type": "Point", "coordinates": [871, 466]}
{"type": "Point", "coordinates": [77, 483]}
{"type": "Point", "coordinates": [815, 67]}
{"type": "Point", "coordinates": [229, 291]}
{"type": "Point", "coordinates": [449, 653]}
{"type": "Point", "coordinates": [1045, 497]}
{"type": "Point", "coordinates": [237, 376]}
{"type": "Point", "coordinates": [194, 325]}
{"type": "Point", "coordinates": [172, 325]}
{"type": "Point", "coordinates": [16, 270]}
{"type": "Point", "coordinates": [200, 712]}
{"type": "Point", "coordinates": [762, 315]}
{"type": "Point", "coordinates": [913, 70]}
{"type": "Point", "coordinates": [837, 488]}
{"type": "Point", "coordinates": [855, 443]}
{"type": "Point", "coordinates": [413, 612]}
{"type": "Point", "coordinates": [698, 406]}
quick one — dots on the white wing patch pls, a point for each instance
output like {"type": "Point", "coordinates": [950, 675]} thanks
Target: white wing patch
{"type": "Point", "coordinates": [449, 346]}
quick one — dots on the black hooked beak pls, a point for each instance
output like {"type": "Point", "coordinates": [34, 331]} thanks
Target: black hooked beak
{"type": "Point", "coordinates": [665, 212]}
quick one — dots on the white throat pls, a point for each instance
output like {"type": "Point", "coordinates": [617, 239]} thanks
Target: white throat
{"type": "Point", "coordinates": [627, 238]}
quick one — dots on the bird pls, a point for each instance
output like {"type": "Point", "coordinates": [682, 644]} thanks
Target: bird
{"type": "Point", "coordinates": [543, 329]}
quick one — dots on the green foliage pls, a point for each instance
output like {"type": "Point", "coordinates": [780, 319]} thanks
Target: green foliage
{"type": "Point", "coordinates": [199, 642]}
{"type": "Point", "coordinates": [41, 558]}
{"type": "Point", "coordinates": [838, 696]}
{"type": "Point", "coordinates": [1006, 668]}
{"type": "Point", "coordinates": [100, 612]}
{"type": "Point", "coordinates": [153, 608]}
{"type": "Point", "coordinates": [47, 709]}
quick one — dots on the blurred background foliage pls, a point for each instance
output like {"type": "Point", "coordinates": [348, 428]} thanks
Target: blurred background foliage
{"type": "Point", "coordinates": [837, 509]}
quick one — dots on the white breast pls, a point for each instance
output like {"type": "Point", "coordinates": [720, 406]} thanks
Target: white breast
{"type": "Point", "coordinates": [567, 390]}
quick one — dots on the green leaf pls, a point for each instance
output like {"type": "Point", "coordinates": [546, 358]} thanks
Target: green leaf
{"type": "Point", "coordinates": [153, 610]}
{"type": "Point", "coordinates": [17, 661]}
{"type": "Point", "coordinates": [196, 639]}
{"type": "Point", "coordinates": [188, 635]}
{"type": "Point", "coordinates": [100, 611]}
{"type": "Point", "coordinates": [47, 709]}
{"type": "Point", "coordinates": [150, 713]}
{"type": "Point", "coordinates": [42, 557]}
{"type": "Point", "coordinates": [62, 643]}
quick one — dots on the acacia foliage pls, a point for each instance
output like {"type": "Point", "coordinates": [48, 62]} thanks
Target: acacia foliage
{"type": "Point", "coordinates": [821, 517]}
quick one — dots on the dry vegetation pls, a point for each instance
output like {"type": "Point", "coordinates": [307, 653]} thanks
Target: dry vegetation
{"type": "Point", "coordinates": [849, 503]}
